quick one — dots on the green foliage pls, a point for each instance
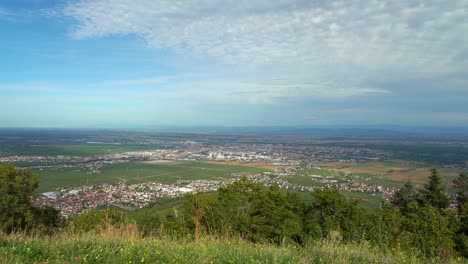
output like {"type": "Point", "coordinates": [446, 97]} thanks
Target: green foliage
{"type": "Point", "coordinates": [433, 192]}
{"type": "Point", "coordinates": [98, 220]}
{"type": "Point", "coordinates": [461, 238]}
{"type": "Point", "coordinates": [47, 218]}
{"type": "Point", "coordinates": [427, 229]}
{"type": "Point", "coordinates": [418, 225]}
{"type": "Point", "coordinates": [331, 212]}
{"type": "Point", "coordinates": [247, 209]}
{"type": "Point", "coordinates": [385, 226]}
{"type": "Point", "coordinates": [405, 196]}
{"type": "Point", "coordinates": [16, 190]}
{"type": "Point", "coordinates": [199, 211]}
{"type": "Point", "coordinates": [91, 248]}
{"type": "Point", "coordinates": [460, 185]}
{"type": "Point", "coordinates": [274, 217]}
{"type": "Point", "coordinates": [236, 202]}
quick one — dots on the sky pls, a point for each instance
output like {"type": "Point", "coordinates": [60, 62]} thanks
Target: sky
{"type": "Point", "coordinates": [150, 63]}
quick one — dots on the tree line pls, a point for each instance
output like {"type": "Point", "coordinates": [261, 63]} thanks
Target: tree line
{"type": "Point", "coordinates": [415, 220]}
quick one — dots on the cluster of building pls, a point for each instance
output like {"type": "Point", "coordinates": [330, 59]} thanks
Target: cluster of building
{"type": "Point", "coordinates": [80, 199]}
{"type": "Point", "coordinates": [75, 201]}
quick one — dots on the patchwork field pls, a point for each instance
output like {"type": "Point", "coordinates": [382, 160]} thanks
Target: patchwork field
{"type": "Point", "coordinates": [168, 172]}
{"type": "Point", "coordinates": [72, 149]}
{"type": "Point", "coordinates": [389, 173]}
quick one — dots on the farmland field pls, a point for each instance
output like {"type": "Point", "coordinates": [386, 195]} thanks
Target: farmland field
{"type": "Point", "coordinates": [72, 149]}
{"type": "Point", "coordinates": [169, 172]}
{"type": "Point", "coordinates": [389, 174]}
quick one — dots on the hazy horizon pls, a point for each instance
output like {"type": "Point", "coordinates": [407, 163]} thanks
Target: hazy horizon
{"type": "Point", "coordinates": [210, 63]}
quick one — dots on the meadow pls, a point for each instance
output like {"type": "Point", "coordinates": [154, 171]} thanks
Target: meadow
{"type": "Point", "coordinates": [126, 246]}
{"type": "Point", "coordinates": [139, 172]}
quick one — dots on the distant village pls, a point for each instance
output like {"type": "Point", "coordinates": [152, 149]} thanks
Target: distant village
{"type": "Point", "coordinates": [131, 196]}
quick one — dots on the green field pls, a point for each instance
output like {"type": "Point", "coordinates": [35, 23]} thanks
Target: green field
{"type": "Point", "coordinates": [307, 177]}
{"type": "Point", "coordinates": [50, 179]}
{"type": "Point", "coordinates": [319, 172]}
{"type": "Point", "coordinates": [69, 149]}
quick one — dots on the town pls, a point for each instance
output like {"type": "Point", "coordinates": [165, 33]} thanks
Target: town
{"type": "Point", "coordinates": [132, 196]}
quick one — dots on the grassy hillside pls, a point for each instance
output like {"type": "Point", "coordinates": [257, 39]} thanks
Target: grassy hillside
{"type": "Point", "coordinates": [114, 247]}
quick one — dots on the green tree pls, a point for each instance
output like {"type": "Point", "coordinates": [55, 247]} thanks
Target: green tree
{"type": "Point", "coordinates": [460, 185]}
{"type": "Point", "coordinates": [274, 218]}
{"type": "Point", "coordinates": [461, 238]}
{"type": "Point", "coordinates": [99, 220]}
{"type": "Point", "coordinates": [385, 227]}
{"type": "Point", "coordinates": [257, 213]}
{"type": "Point", "coordinates": [433, 192]}
{"type": "Point", "coordinates": [200, 213]}
{"type": "Point", "coordinates": [47, 218]}
{"type": "Point", "coordinates": [331, 211]}
{"type": "Point", "coordinates": [236, 202]}
{"type": "Point", "coordinates": [404, 196]}
{"type": "Point", "coordinates": [16, 192]}
{"type": "Point", "coordinates": [427, 229]}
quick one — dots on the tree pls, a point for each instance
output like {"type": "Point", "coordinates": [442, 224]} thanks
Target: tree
{"type": "Point", "coordinates": [461, 238]}
{"type": "Point", "coordinates": [274, 217]}
{"type": "Point", "coordinates": [404, 196]}
{"type": "Point", "coordinates": [236, 202]}
{"type": "Point", "coordinates": [258, 213]}
{"type": "Point", "coordinates": [16, 191]}
{"type": "Point", "coordinates": [330, 211]}
{"type": "Point", "coordinates": [385, 226]}
{"type": "Point", "coordinates": [199, 210]}
{"type": "Point", "coordinates": [47, 218]}
{"type": "Point", "coordinates": [460, 185]}
{"type": "Point", "coordinates": [433, 192]}
{"type": "Point", "coordinates": [100, 220]}
{"type": "Point", "coordinates": [427, 229]}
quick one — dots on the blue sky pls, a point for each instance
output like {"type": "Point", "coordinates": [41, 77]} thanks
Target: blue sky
{"type": "Point", "coordinates": [149, 63]}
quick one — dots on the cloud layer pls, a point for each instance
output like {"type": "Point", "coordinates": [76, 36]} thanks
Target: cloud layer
{"type": "Point", "coordinates": [316, 50]}
{"type": "Point", "coordinates": [364, 34]}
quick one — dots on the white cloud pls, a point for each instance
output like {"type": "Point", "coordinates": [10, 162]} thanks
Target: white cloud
{"type": "Point", "coordinates": [340, 44]}
{"type": "Point", "coordinates": [363, 33]}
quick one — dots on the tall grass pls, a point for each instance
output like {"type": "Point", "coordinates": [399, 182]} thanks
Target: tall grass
{"type": "Point", "coordinates": [124, 244]}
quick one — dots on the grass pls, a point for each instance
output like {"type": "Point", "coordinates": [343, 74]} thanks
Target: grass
{"type": "Point", "coordinates": [125, 246]}
{"type": "Point", "coordinates": [72, 149]}
{"type": "Point", "coordinates": [135, 172]}
{"type": "Point", "coordinates": [306, 177]}
{"type": "Point", "coordinates": [319, 172]}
